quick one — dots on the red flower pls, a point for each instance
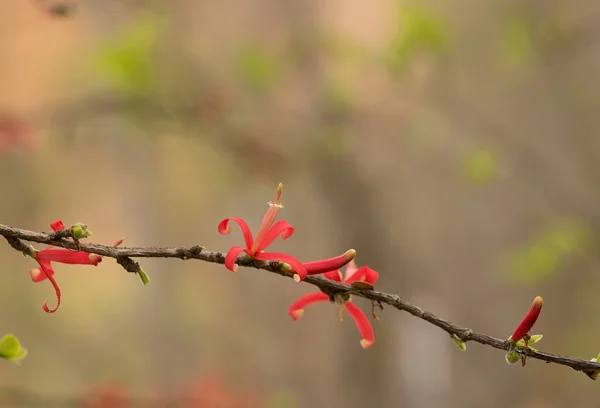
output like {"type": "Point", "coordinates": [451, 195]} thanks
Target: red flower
{"type": "Point", "coordinates": [15, 132]}
{"type": "Point", "coordinates": [528, 321]}
{"type": "Point", "coordinates": [267, 233]}
{"type": "Point", "coordinates": [331, 264]}
{"type": "Point", "coordinates": [212, 391]}
{"type": "Point", "coordinates": [107, 396]}
{"type": "Point", "coordinates": [45, 257]}
{"type": "Point", "coordinates": [364, 275]}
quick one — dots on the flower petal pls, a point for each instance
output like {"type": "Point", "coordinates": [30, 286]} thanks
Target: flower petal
{"type": "Point", "coordinates": [297, 309]}
{"type": "Point", "coordinates": [333, 275]}
{"type": "Point", "coordinates": [529, 320]}
{"type": "Point", "coordinates": [56, 289]}
{"type": "Point", "coordinates": [363, 324]}
{"type": "Point", "coordinates": [232, 256]}
{"type": "Point", "coordinates": [118, 242]}
{"type": "Point", "coordinates": [351, 268]}
{"type": "Point", "coordinates": [363, 274]}
{"type": "Point", "coordinates": [331, 264]}
{"type": "Point", "coordinates": [224, 229]}
{"type": "Point", "coordinates": [68, 257]}
{"type": "Point", "coordinates": [57, 225]}
{"type": "Point", "coordinates": [280, 228]}
{"type": "Point", "coordinates": [281, 257]}
{"type": "Point", "coordinates": [37, 275]}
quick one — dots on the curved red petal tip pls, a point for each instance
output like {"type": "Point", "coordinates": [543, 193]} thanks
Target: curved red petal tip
{"type": "Point", "coordinates": [58, 294]}
{"type": "Point", "coordinates": [224, 229]}
{"type": "Point", "coordinates": [333, 275]}
{"type": "Point", "coordinates": [57, 225]}
{"type": "Point", "coordinates": [296, 311]}
{"type": "Point", "coordinates": [232, 256]}
{"type": "Point", "coordinates": [363, 274]}
{"type": "Point", "coordinates": [331, 264]}
{"type": "Point", "coordinates": [94, 259]}
{"type": "Point", "coordinates": [362, 323]}
{"type": "Point", "coordinates": [365, 343]}
{"type": "Point", "coordinates": [38, 275]}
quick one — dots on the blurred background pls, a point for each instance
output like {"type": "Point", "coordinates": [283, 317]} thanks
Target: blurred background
{"type": "Point", "coordinates": [452, 144]}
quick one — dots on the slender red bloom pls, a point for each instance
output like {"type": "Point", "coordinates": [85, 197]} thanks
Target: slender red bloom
{"type": "Point", "coordinates": [353, 274]}
{"type": "Point", "coordinates": [46, 256]}
{"type": "Point", "coordinates": [267, 233]}
{"type": "Point", "coordinates": [528, 321]}
{"type": "Point", "coordinates": [331, 264]}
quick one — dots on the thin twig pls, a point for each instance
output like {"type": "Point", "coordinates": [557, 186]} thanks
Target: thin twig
{"type": "Point", "coordinates": [123, 256]}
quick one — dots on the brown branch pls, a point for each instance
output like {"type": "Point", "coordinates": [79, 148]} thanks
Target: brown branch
{"type": "Point", "coordinates": [123, 256]}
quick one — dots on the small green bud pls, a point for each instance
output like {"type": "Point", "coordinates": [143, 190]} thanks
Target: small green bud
{"type": "Point", "coordinates": [285, 267]}
{"type": "Point", "coordinates": [80, 231]}
{"type": "Point", "coordinates": [10, 349]}
{"type": "Point", "coordinates": [593, 374]}
{"type": "Point", "coordinates": [458, 342]}
{"type": "Point", "coordinates": [143, 276]}
{"type": "Point", "coordinates": [512, 357]}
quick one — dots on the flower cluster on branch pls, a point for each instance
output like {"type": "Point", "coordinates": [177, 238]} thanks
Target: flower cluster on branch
{"type": "Point", "coordinates": [65, 247]}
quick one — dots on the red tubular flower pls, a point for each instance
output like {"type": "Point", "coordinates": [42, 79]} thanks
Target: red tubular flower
{"type": "Point", "coordinates": [46, 256]}
{"type": "Point", "coordinates": [331, 264]}
{"type": "Point", "coordinates": [353, 274]}
{"type": "Point", "coordinates": [267, 233]}
{"type": "Point", "coordinates": [528, 321]}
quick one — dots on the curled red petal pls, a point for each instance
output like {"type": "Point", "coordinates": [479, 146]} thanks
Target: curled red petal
{"type": "Point", "coordinates": [38, 275]}
{"type": "Point", "coordinates": [280, 228]}
{"type": "Point", "coordinates": [331, 264]}
{"type": "Point", "coordinates": [67, 257]}
{"type": "Point", "coordinates": [56, 289]}
{"type": "Point", "coordinates": [297, 309]}
{"type": "Point", "coordinates": [224, 229]}
{"type": "Point", "coordinates": [363, 324]}
{"type": "Point", "coordinates": [299, 269]}
{"type": "Point", "coordinates": [333, 275]}
{"type": "Point", "coordinates": [232, 256]}
{"type": "Point", "coordinates": [57, 225]}
{"type": "Point", "coordinates": [363, 274]}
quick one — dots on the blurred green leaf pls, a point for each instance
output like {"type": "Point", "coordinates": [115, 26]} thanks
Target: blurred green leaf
{"type": "Point", "coordinates": [126, 61]}
{"type": "Point", "coordinates": [550, 249]}
{"type": "Point", "coordinates": [517, 40]}
{"type": "Point", "coordinates": [417, 30]}
{"type": "Point", "coordinates": [338, 95]}
{"type": "Point", "coordinates": [10, 349]}
{"type": "Point", "coordinates": [345, 49]}
{"type": "Point", "coordinates": [480, 166]}
{"type": "Point", "coordinates": [258, 68]}
{"type": "Point", "coordinates": [333, 142]}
